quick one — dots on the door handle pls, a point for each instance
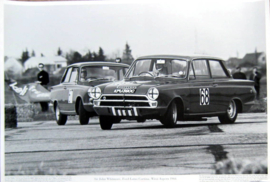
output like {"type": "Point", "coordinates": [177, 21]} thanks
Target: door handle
{"type": "Point", "coordinates": [215, 85]}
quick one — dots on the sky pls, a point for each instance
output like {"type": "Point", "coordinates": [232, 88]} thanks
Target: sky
{"type": "Point", "coordinates": [217, 28]}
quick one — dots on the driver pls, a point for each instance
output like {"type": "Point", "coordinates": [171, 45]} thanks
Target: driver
{"type": "Point", "coordinates": [83, 75]}
{"type": "Point", "coordinates": [161, 68]}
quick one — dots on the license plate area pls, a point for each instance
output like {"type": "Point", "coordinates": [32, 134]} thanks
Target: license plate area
{"type": "Point", "coordinates": [125, 111]}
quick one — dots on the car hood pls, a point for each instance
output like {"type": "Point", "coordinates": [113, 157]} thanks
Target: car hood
{"type": "Point", "coordinates": [136, 87]}
{"type": "Point", "coordinates": [95, 83]}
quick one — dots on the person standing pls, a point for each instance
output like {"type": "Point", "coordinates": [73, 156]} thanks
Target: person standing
{"type": "Point", "coordinates": [43, 77]}
{"type": "Point", "coordinates": [256, 77]}
{"type": "Point", "coordinates": [238, 74]}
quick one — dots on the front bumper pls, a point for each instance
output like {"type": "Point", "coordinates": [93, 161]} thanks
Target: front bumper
{"type": "Point", "coordinates": [126, 106]}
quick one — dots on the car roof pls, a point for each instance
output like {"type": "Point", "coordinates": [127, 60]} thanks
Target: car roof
{"type": "Point", "coordinates": [99, 63]}
{"type": "Point", "coordinates": [188, 58]}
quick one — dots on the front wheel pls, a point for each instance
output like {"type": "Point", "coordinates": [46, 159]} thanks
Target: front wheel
{"type": "Point", "coordinates": [169, 120]}
{"type": "Point", "coordinates": [106, 122]}
{"type": "Point", "coordinates": [83, 114]}
{"type": "Point", "coordinates": [231, 114]}
{"type": "Point", "coordinates": [61, 119]}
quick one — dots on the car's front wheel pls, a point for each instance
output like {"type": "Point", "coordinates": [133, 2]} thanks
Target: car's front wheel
{"type": "Point", "coordinates": [169, 120]}
{"type": "Point", "coordinates": [231, 114]}
{"type": "Point", "coordinates": [83, 114]}
{"type": "Point", "coordinates": [61, 119]}
{"type": "Point", "coordinates": [106, 122]}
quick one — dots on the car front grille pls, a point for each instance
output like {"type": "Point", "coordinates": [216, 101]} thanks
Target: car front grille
{"type": "Point", "coordinates": [124, 101]}
{"type": "Point", "coordinates": [123, 97]}
{"type": "Point", "coordinates": [123, 104]}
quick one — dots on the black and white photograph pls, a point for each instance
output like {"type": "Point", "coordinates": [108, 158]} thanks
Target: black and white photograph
{"type": "Point", "coordinates": [135, 91]}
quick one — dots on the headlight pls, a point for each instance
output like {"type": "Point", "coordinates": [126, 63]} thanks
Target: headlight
{"type": "Point", "coordinates": [94, 92]}
{"type": "Point", "coordinates": [153, 93]}
{"type": "Point", "coordinates": [89, 91]}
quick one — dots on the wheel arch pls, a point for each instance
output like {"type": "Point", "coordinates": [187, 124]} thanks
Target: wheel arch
{"type": "Point", "coordinates": [54, 104]}
{"type": "Point", "coordinates": [180, 107]}
{"type": "Point", "coordinates": [77, 104]}
{"type": "Point", "coordinates": [239, 104]}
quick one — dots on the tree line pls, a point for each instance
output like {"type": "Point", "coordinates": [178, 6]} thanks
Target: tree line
{"type": "Point", "coordinates": [74, 56]}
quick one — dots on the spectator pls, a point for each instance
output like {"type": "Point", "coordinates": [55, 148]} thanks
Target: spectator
{"type": "Point", "coordinates": [43, 77]}
{"type": "Point", "coordinates": [256, 77]}
{"type": "Point", "coordinates": [238, 74]}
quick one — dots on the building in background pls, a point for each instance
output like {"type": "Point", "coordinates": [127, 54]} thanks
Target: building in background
{"type": "Point", "coordinates": [52, 64]}
{"type": "Point", "coordinates": [254, 59]}
{"type": "Point", "coordinates": [233, 62]}
{"type": "Point", "coordinates": [13, 67]}
{"type": "Point", "coordinates": [248, 62]}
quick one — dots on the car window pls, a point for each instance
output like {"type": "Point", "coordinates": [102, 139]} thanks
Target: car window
{"type": "Point", "coordinates": [159, 68]}
{"type": "Point", "coordinates": [91, 73]}
{"type": "Point", "coordinates": [67, 75]}
{"type": "Point", "coordinates": [179, 68]}
{"type": "Point", "coordinates": [142, 66]}
{"type": "Point", "coordinates": [125, 70]}
{"type": "Point", "coordinates": [121, 75]}
{"type": "Point", "coordinates": [74, 75]}
{"type": "Point", "coordinates": [201, 69]}
{"type": "Point", "coordinates": [216, 69]}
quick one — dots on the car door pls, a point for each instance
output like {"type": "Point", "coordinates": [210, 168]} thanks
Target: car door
{"type": "Point", "coordinates": [61, 90]}
{"type": "Point", "coordinates": [201, 85]}
{"type": "Point", "coordinates": [71, 89]}
{"type": "Point", "coordinates": [221, 90]}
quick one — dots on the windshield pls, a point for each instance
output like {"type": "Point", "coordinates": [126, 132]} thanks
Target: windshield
{"type": "Point", "coordinates": [159, 68]}
{"type": "Point", "coordinates": [92, 73]}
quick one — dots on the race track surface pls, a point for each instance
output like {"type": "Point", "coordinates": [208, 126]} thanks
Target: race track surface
{"type": "Point", "coordinates": [132, 148]}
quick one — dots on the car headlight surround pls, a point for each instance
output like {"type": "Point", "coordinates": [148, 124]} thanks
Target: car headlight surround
{"type": "Point", "coordinates": [153, 93]}
{"type": "Point", "coordinates": [94, 92]}
{"type": "Point", "coordinates": [89, 91]}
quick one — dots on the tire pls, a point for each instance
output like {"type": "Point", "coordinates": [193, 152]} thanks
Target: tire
{"type": "Point", "coordinates": [116, 120]}
{"type": "Point", "coordinates": [83, 114]}
{"type": "Point", "coordinates": [169, 120]}
{"type": "Point", "coordinates": [231, 114]}
{"type": "Point", "coordinates": [61, 119]}
{"type": "Point", "coordinates": [106, 122]}
{"type": "Point", "coordinates": [141, 120]}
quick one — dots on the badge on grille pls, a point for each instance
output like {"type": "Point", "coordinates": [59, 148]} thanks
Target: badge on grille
{"type": "Point", "coordinates": [124, 91]}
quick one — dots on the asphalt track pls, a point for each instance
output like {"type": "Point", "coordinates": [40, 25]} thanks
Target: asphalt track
{"type": "Point", "coordinates": [132, 148]}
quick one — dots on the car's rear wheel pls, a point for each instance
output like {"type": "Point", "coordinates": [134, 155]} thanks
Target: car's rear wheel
{"type": "Point", "coordinates": [169, 120]}
{"type": "Point", "coordinates": [61, 119]}
{"type": "Point", "coordinates": [83, 114]}
{"type": "Point", "coordinates": [231, 114]}
{"type": "Point", "coordinates": [106, 122]}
